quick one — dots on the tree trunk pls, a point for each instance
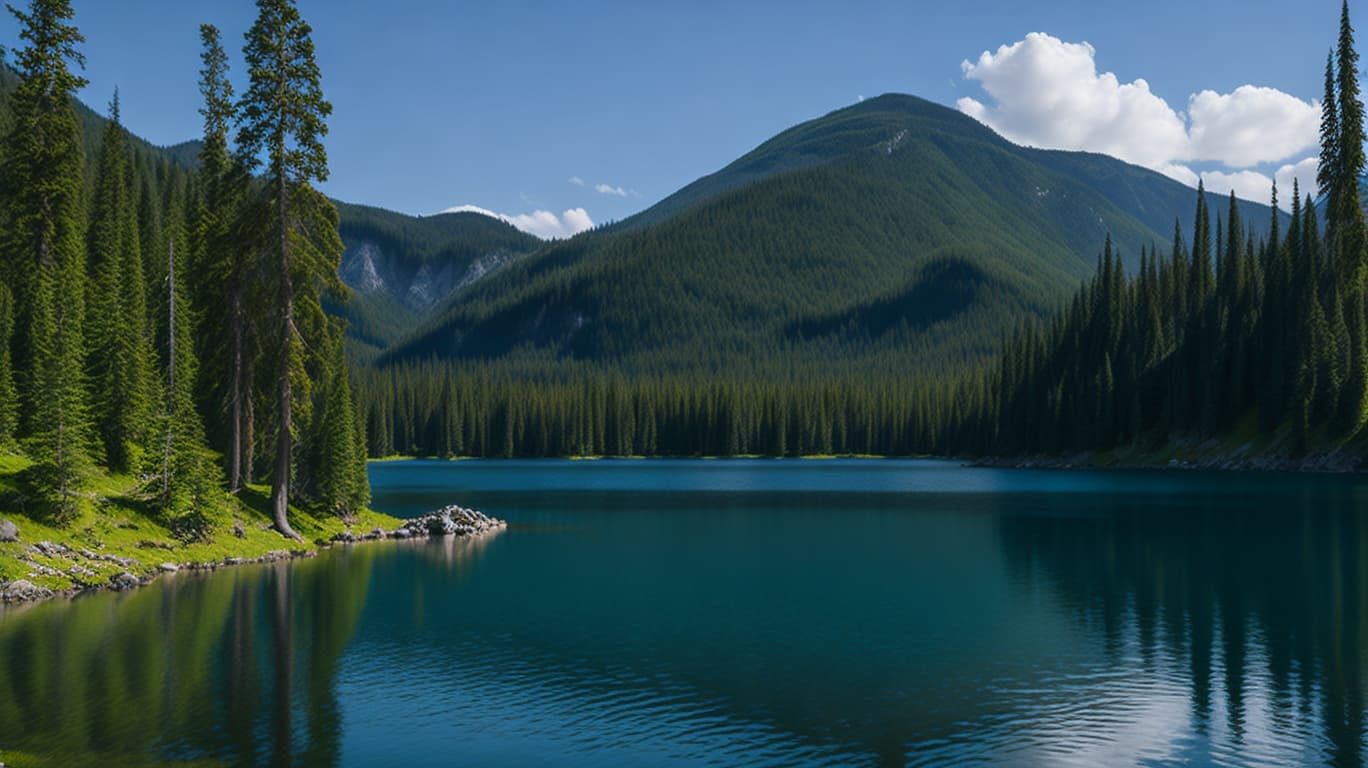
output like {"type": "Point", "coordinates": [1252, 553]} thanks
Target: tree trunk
{"type": "Point", "coordinates": [248, 424]}
{"type": "Point", "coordinates": [235, 396]}
{"type": "Point", "coordinates": [171, 415]}
{"type": "Point", "coordinates": [280, 482]}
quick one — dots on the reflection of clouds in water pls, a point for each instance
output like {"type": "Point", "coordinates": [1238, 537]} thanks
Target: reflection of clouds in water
{"type": "Point", "coordinates": [1136, 709]}
{"type": "Point", "coordinates": [1226, 630]}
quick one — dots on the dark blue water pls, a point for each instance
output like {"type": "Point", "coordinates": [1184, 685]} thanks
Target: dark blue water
{"type": "Point", "coordinates": [742, 612]}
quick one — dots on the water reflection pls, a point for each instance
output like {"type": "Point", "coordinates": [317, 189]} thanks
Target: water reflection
{"type": "Point", "coordinates": [1051, 619]}
{"type": "Point", "coordinates": [1250, 606]}
{"type": "Point", "coordinates": [239, 665]}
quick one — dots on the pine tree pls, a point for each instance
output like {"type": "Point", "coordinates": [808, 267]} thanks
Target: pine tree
{"type": "Point", "coordinates": [338, 458]}
{"type": "Point", "coordinates": [44, 251]}
{"type": "Point", "coordinates": [187, 486]}
{"type": "Point", "coordinates": [224, 266]}
{"type": "Point", "coordinates": [120, 347]}
{"type": "Point", "coordinates": [1328, 167]}
{"type": "Point", "coordinates": [1350, 159]}
{"type": "Point", "coordinates": [283, 123]}
{"type": "Point", "coordinates": [1346, 234]}
{"type": "Point", "coordinates": [9, 396]}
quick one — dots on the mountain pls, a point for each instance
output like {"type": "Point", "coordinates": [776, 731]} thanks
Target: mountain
{"type": "Point", "coordinates": [892, 236]}
{"type": "Point", "coordinates": [400, 267]}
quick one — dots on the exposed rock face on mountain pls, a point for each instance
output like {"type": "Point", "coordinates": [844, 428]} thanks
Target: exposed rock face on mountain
{"type": "Point", "coordinates": [403, 267]}
{"type": "Point", "coordinates": [896, 234]}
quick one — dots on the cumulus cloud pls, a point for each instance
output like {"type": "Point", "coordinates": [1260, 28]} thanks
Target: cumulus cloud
{"type": "Point", "coordinates": [543, 224]}
{"type": "Point", "coordinates": [577, 181]}
{"type": "Point", "coordinates": [1251, 126]}
{"type": "Point", "coordinates": [609, 189]}
{"type": "Point", "coordinates": [1305, 174]}
{"type": "Point", "coordinates": [1048, 93]}
{"type": "Point", "coordinates": [1250, 185]}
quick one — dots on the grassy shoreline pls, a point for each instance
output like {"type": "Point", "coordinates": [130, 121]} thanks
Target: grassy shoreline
{"type": "Point", "coordinates": [114, 535]}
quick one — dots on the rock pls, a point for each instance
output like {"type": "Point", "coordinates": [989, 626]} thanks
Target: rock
{"type": "Point", "coordinates": [403, 533]}
{"type": "Point", "coordinates": [50, 549]}
{"type": "Point", "coordinates": [8, 531]}
{"type": "Point", "coordinates": [451, 521]}
{"type": "Point", "coordinates": [122, 582]}
{"type": "Point", "coordinates": [21, 591]}
{"type": "Point", "coordinates": [169, 567]}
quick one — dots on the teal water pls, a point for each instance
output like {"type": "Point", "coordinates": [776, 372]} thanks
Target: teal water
{"type": "Point", "coordinates": [742, 613]}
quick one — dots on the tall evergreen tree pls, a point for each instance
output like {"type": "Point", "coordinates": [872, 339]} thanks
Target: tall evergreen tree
{"type": "Point", "coordinates": [44, 251]}
{"type": "Point", "coordinates": [187, 486]}
{"type": "Point", "coordinates": [224, 266]}
{"type": "Point", "coordinates": [1328, 167]}
{"type": "Point", "coordinates": [9, 396]}
{"type": "Point", "coordinates": [121, 357]}
{"type": "Point", "coordinates": [1350, 160]}
{"type": "Point", "coordinates": [338, 457]}
{"type": "Point", "coordinates": [283, 118]}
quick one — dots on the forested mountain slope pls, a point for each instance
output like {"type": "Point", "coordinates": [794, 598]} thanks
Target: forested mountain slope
{"type": "Point", "coordinates": [894, 235]}
{"type": "Point", "coordinates": [400, 267]}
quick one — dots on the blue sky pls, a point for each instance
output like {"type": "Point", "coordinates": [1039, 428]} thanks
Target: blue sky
{"type": "Point", "coordinates": [506, 105]}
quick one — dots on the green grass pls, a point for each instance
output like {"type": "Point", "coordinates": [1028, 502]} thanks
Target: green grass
{"type": "Point", "coordinates": [113, 522]}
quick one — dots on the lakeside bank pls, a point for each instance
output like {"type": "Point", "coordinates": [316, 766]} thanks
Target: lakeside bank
{"type": "Point", "coordinates": [115, 545]}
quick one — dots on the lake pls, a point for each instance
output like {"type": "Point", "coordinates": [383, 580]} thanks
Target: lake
{"type": "Point", "coordinates": [661, 613]}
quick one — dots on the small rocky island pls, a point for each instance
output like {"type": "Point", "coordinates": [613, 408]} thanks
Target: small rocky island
{"type": "Point", "coordinates": [453, 520]}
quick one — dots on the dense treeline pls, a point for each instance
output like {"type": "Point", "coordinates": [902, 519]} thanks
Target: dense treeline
{"type": "Point", "coordinates": [152, 318]}
{"type": "Point", "coordinates": [1250, 328]}
{"type": "Point", "coordinates": [440, 410]}
{"type": "Point", "coordinates": [1250, 336]}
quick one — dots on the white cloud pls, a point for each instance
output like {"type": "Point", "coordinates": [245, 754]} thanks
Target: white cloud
{"type": "Point", "coordinates": [577, 181]}
{"type": "Point", "coordinates": [1252, 185]}
{"type": "Point", "coordinates": [1305, 174]}
{"type": "Point", "coordinates": [1048, 93]}
{"type": "Point", "coordinates": [1251, 126]}
{"type": "Point", "coordinates": [1179, 173]}
{"type": "Point", "coordinates": [608, 189]}
{"type": "Point", "coordinates": [543, 224]}
{"type": "Point", "coordinates": [1045, 92]}
{"type": "Point", "coordinates": [1249, 185]}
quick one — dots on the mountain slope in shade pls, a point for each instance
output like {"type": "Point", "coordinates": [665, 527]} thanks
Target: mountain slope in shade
{"type": "Point", "coordinates": [400, 267]}
{"type": "Point", "coordinates": [895, 234]}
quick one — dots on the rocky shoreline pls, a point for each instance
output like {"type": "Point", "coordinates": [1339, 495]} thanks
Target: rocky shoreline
{"type": "Point", "coordinates": [453, 520]}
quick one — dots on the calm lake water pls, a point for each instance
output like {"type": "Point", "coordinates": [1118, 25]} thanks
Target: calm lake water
{"type": "Point", "coordinates": [742, 612]}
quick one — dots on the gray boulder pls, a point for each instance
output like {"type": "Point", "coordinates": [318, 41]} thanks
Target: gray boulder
{"type": "Point", "coordinates": [8, 531]}
{"type": "Point", "coordinates": [122, 582]}
{"type": "Point", "coordinates": [21, 590]}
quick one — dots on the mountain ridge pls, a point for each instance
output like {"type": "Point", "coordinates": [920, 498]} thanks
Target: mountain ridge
{"type": "Point", "coordinates": [836, 217]}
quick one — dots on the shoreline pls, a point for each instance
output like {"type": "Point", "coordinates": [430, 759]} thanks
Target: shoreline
{"type": "Point", "coordinates": [1334, 462]}
{"type": "Point", "coordinates": [452, 520]}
